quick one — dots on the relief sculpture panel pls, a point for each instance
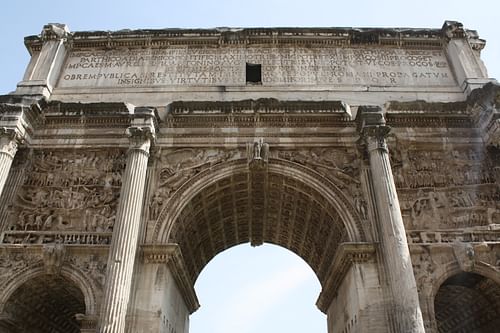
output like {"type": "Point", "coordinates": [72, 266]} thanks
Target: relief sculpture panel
{"type": "Point", "coordinates": [176, 166]}
{"type": "Point", "coordinates": [66, 191]}
{"type": "Point", "coordinates": [447, 189]}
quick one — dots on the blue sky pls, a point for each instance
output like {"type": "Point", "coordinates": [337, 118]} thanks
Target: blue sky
{"type": "Point", "coordinates": [261, 289]}
{"type": "Point", "coordinates": [26, 17]}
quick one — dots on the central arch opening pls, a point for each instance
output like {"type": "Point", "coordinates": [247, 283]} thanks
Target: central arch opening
{"type": "Point", "coordinates": [259, 207]}
{"type": "Point", "coordinates": [262, 289]}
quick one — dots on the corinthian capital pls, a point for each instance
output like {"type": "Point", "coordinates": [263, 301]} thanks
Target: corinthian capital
{"type": "Point", "coordinates": [9, 141]}
{"type": "Point", "coordinates": [372, 127]}
{"type": "Point", "coordinates": [141, 137]}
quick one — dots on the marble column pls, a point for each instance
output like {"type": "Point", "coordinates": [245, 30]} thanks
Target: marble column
{"type": "Point", "coordinates": [126, 232]}
{"type": "Point", "coordinates": [9, 141]}
{"type": "Point", "coordinates": [403, 306]}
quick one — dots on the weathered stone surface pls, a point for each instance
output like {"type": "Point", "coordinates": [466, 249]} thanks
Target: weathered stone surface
{"type": "Point", "coordinates": [397, 212]}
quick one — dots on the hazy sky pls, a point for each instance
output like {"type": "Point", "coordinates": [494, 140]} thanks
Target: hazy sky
{"type": "Point", "coordinates": [263, 286]}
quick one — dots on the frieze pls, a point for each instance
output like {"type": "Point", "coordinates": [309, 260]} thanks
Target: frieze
{"type": "Point", "coordinates": [66, 191]}
{"type": "Point", "coordinates": [48, 237]}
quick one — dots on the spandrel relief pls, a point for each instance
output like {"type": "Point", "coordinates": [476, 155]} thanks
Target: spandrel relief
{"type": "Point", "coordinates": [335, 164]}
{"type": "Point", "coordinates": [342, 167]}
{"type": "Point", "coordinates": [176, 166]}
{"type": "Point", "coordinates": [67, 191]}
{"type": "Point", "coordinates": [91, 265]}
{"type": "Point", "coordinates": [12, 263]}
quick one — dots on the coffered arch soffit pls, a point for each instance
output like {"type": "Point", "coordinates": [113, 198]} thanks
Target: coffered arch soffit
{"type": "Point", "coordinates": [340, 199]}
{"type": "Point", "coordinates": [79, 280]}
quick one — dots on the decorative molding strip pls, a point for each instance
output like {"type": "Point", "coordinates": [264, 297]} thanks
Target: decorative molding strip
{"type": "Point", "coordinates": [261, 105]}
{"type": "Point", "coordinates": [157, 38]}
{"type": "Point", "coordinates": [64, 237]}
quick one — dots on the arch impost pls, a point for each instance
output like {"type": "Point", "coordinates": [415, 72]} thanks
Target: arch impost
{"type": "Point", "coordinates": [88, 323]}
{"type": "Point", "coordinates": [347, 254]}
{"type": "Point", "coordinates": [171, 255]}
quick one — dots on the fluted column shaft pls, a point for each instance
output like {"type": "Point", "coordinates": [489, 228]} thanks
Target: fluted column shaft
{"type": "Point", "coordinates": [8, 149]}
{"type": "Point", "coordinates": [125, 234]}
{"type": "Point", "coordinates": [404, 308]}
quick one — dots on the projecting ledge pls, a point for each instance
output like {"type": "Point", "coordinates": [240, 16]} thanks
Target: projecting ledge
{"type": "Point", "coordinates": [170, 254]}
{"type": "Point", "coordinates": [347, 254]}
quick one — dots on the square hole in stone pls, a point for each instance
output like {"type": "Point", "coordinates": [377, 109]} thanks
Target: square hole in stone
{"type": "Point", "coordinates": [254, 73]}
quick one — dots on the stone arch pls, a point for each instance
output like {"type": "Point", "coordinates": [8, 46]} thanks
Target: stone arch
{"type": "Point", "coordinates": [334, 205]}
{"type": "Point", "coordinates": [453, 268]}
{"type": "Point", "coordinates": [343, 202]}
{"type": "Point", "coordinates": [80, 280]}
{"type": "Point", "coordinates": [466, 300]}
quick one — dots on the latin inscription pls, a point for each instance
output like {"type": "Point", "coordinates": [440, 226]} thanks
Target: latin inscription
{"type": "Point", "coordinates": [280, 66]}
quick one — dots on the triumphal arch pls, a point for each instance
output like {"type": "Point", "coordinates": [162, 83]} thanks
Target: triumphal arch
{"type": "Point", "coordinates": [130, 159]}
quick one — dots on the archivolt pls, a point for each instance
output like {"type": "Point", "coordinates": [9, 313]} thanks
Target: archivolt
{"type": "Point", "coordinates": [79, 279]}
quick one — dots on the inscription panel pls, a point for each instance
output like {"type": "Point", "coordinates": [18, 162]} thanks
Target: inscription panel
{"type": "Point", "coordinates": [280, 66]}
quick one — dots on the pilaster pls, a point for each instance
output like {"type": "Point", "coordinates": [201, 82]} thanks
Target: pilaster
{"type": "Point", "coordinates": [463, 48]}
{"type": "Point", "coordinates": [403, 305]}
{"type": "Point", "coordinates": [126, 230]}
{"type": "Point", "coordinates": [16, 126]}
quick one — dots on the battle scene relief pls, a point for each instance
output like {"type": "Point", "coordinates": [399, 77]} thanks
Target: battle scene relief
{"type": "Point", "coordinates": [65, 196]}
{"type": "Point", "coordinates": [453, 188]}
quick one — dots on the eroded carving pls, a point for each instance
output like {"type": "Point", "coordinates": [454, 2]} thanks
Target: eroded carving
{"type": "Point", "coordinates": [12, 263]}
{"type": "Point", "coordinates": [423, 268]}
{"type": "Point", "coordinates": [53, 257]}
{"type": "Point", "coordinates": [176, 166]}
{"type": "Point", "coordinates": [443, 190]}
{"type": "Point", "coordinates": [66, 191]}
{"type": "Point", "coordinates": [465, 255]}
{"type": "Point", "coordinates": [91, 265]}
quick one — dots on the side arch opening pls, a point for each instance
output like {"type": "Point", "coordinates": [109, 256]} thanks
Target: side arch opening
{"type": "Point", "coordinates": [44, 303]}
{"type": "Point", "coordinates": [467, 302]}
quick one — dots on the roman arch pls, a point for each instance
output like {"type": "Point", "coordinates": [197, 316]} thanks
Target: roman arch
{"type": "Point", "coordinates": [130, 159]}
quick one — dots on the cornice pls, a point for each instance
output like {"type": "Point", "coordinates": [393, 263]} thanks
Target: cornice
{"type": "Point", "coordinates": [87, 115]}
{"type": "Point", "coordinates": [267, 112]}
{"type": "Point", "coordinates": [328, 36]}
{"type": "Point", "coordinates": [429, 114]}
